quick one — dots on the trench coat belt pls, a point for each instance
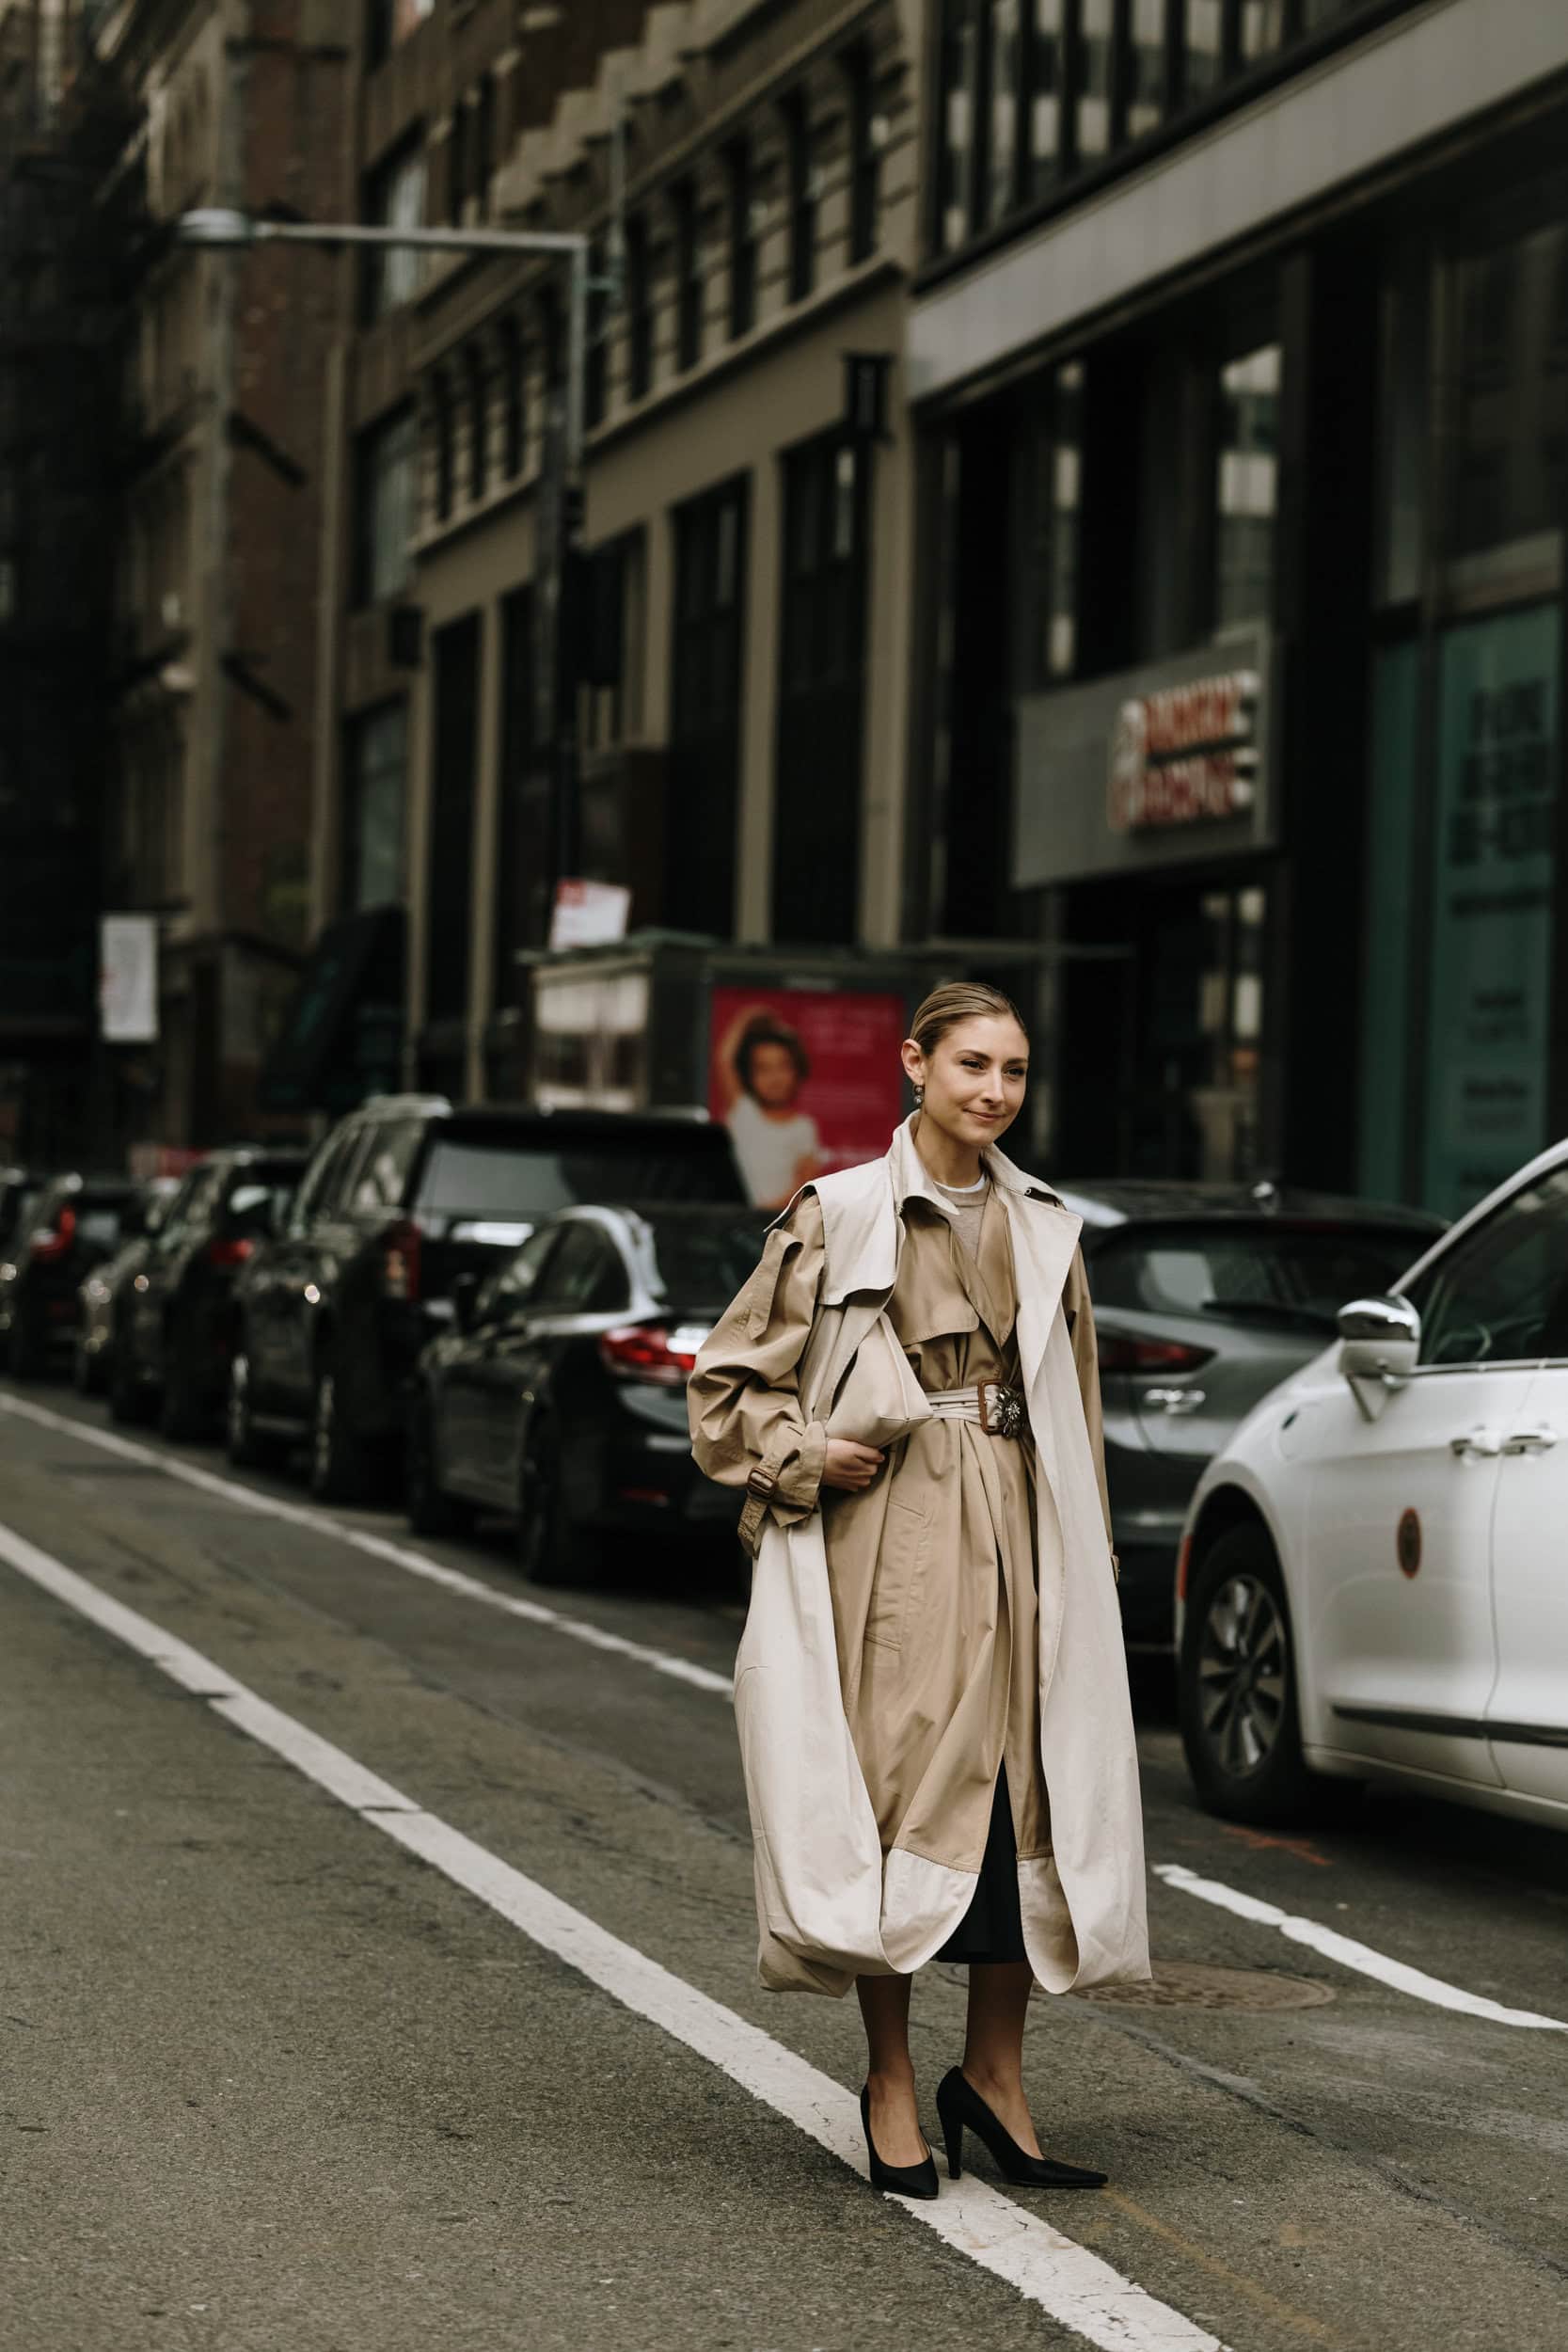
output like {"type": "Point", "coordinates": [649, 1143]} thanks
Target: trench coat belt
{"type": "Point", "coordinates": [998, 1410]}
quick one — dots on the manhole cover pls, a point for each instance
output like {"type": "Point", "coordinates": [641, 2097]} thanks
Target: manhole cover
{"type": "Point", "coordinates": [1192, 1984]}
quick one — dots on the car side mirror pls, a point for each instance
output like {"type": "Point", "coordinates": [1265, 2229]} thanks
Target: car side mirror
{"type": "Point", "coordinates": [1380, 1342]}
{"type": "Point", "coordinates": [465, 1299]}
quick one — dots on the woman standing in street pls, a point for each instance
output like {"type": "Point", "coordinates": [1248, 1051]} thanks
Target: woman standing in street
{"type": "Point", "coordinates": [931, 1691]}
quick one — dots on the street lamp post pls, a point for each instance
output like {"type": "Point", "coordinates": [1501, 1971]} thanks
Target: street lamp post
{"type": "Point", "coordinates": [217, 228]}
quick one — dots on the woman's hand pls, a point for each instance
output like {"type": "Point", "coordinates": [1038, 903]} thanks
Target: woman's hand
{"type": "Point", "coordinates": [849, 1466]}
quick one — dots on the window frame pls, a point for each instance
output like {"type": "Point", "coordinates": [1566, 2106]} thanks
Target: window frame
{"type": "Point", "coordinates": [1435, 1264]}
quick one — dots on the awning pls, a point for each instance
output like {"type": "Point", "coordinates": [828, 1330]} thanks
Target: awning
{"type": "Point", "coordinates": [342, 1036]}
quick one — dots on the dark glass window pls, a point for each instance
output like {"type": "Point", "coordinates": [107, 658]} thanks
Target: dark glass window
{"type": "Point", "coordinates": [640, 311]}
{"type": "Point", "coordinates": [373, 808]}
{"type": "Point", "coordinates": [394, 198]}
{"type": "Point", "coordinates": [448, 887]}
{"type": "Point", "coordinates": [743, 241]}
{"type": "Point", "coordinates": [689, 275]}
{"type": "Point", "coordinates": [802, 169]}
{"type": "Point", "coordinates": [821, 692]}
{"type": "Point", "coordinates": [864, 154]}
{"type": "Point", "coordinates": [384, 460]}
{"type": "Point", "coordinates": [513, 399]}
{"type": "Point", "coordinates": [705, 746]}
{"type": "Point", "coordinates": [522, 846]}
{"type": "Point", "coordinates": [597, 381]}
{"type": "Point", "coordinates": [485, 144]}
{"type": "Point", "coordinates": [444, 435]}
{"type": "Point", "coordinates": [1246, 486]}
{"type": "Point", "coordinates": [478, 404]}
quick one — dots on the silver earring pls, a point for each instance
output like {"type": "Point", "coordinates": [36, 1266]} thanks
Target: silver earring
{"type": "Point", "coordinates": [920, 1098]}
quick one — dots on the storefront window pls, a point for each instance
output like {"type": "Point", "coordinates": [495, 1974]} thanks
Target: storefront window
{"type": "Point", "coordinates": [1247, 487]}
{"type": "Point", "coordinates": [1512, 463]}
{"type": "Point", "coordinates": [1196, 1098]}
{"type": "Point", "coordinates": [1048, 510]}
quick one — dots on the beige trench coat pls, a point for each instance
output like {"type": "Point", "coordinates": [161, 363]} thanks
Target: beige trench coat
{"type": "Point", "coordinates": [960, 1612]}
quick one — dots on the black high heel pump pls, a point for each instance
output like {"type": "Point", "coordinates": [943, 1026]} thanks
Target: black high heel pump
{"type": "Point", "coordinates": [905, 2179]}
{"type": "Point", "coordinates": [959, 2102]}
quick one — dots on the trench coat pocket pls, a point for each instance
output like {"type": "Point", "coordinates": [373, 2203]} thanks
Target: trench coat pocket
{"type": "Point", "coordinates": [901, 1572]}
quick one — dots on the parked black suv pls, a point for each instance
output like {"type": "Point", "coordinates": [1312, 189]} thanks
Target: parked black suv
{"type": "Point", "coordinates": [175, 1330]}
{"type": "Point", "coordinates": [73, 1224]}
{"type": "Point", "coordinates": [403, 1197]}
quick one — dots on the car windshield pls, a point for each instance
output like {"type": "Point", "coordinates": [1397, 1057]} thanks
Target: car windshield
{"type": "Point", "coordinates": [1293, 1277]}
{"type": "Point", "coordinates": [514, 1181]}
{"type": "Point", "coordinates": [704, 1262]}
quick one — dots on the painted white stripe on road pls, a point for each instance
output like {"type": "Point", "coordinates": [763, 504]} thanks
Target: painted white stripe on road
{"type": "Point", "coordinates": [1350, 1954]}
{"type": "Point", "coordinates": [375, 1546]}
{"type": "Point", "coordinates": [1064, 2279]}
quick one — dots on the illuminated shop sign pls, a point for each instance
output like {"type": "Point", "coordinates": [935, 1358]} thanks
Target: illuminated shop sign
{"type": "Point", "coordinates": [1185, 753]}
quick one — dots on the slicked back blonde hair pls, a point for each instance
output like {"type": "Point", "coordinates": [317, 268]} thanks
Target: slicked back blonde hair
{"type": "Point", "coordinates": [960, 1000]}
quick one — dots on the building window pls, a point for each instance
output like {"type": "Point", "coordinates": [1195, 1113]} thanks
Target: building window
{"type": "Point", "coordinates": [478, 405]}
{"type": "Point", "coordinates": [1048, 507]}
{"type": "Point", "coordinates": [394, 198]}
{"type": "Point", "coordinates": [596, 376]}
{"type": "Point", "coordinates": [640, 311]}
{"type": "Point", "coordinates": [449, 896]}
{"type": "Point", "coordinates": [689, 275]}
{"type": "Point", "coordinates": [522, 844]}
{"type": "Point", "coordinates": [445, 434]}
{"type": "Point", "coordinates": [1031, 91]}
{"type": "Point", "coordinates": [821, 692]}
{"type": "Point", "coordinates": [458, 162]}
{"type": "Point", "coordinates": [513, 399]}
{"type": "Point", "coordinates": [385, 461]}
{"type": "Point", "coordinates": [865, 139]}
{"type": "Point", "coordinates": [616, 585]}
{"type": "Point", "coordinates": [705, 710]}
{"type": "Point", "coordinates": [1247, 488]}
{"type": "Point", "coordinates": [391, 22]}
{"type": "Point", "coordinates": [485, 144]}
{"type": "Point", "coordinates": [374, 808]}
{"type": "Point", "coordinates": [801, 170]}
{"type": "Point", "coordinates": [743, 241]}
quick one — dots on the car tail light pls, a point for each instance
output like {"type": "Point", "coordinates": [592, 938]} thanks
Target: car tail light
{"type": "Point", "coordinates": [645, 1351]}
{"type": "Point", "coordinates": [401, 1263]}
{"type": "Point", "coordinates": [225, 1253]}
{"type": "Point", "coordinates": [53, 1241]}
{"type": "Point", "coordinates": [1120, 1351]}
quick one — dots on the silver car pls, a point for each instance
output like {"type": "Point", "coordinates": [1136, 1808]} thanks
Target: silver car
{"type": "Point", "coordinates": [1206, 1296]}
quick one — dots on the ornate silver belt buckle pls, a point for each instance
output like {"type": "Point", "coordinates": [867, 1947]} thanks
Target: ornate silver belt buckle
{"type": "Point", "coordinates": [1001, 1416]}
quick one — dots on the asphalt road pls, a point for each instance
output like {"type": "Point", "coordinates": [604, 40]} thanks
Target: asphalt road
{"type": "Point", "coordinates": [297, 2059]}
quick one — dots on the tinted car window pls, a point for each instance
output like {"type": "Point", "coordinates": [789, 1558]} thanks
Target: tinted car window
{"type": "Point", "coordinates": [1500, 1296]}
{"type": "Point", "coordinates": [579, 1272]}
{"type": "Point", "coordinates": [323, 1177]}
{"type": "Point", "coordinates": [1296, 1276]}
{"type": "Point", "coordinates": [465, 1178]}
{"type": "Point", "coordinates": [509, 1292]}
{"type": "Point", "coordinates": [703, 1264]}
{"type": "Point", "coordinates": [382, 1177]}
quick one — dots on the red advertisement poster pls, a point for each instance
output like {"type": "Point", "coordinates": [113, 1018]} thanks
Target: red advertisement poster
{"type": "Point", "coordinates": [805, 1080]}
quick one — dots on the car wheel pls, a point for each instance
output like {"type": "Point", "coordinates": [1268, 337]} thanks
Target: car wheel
{"type": "Point", "coordinates": [182, 1409]}
{"type": "Point", "coordinates": [341, 1469]}
{"type": "Point", "coordinates": [550, 1547]}
{"type": "Point", "coordinates": [1240, 1724]}
{"type": "Point", "coordinates": [129, 1401]}
{"type": "Point", "coordinates": [248, 1447]}
{"type": "Point", "coordinates": [431, 1510]}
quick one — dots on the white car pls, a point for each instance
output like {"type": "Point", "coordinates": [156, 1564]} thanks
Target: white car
{"type": "Point", "coordinates": [1373, 1576]}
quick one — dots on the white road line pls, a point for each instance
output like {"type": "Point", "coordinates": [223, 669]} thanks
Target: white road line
{"type": "Point", "coordinates": [1348, 1953]}
{"type": "Point", "coordinates": [1074, 2286]}
{"type": "Point", "coordinates": [376, 1547]}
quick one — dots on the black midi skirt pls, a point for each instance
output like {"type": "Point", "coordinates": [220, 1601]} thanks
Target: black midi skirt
{"type": "Point", "coordinates": [993, 1927]}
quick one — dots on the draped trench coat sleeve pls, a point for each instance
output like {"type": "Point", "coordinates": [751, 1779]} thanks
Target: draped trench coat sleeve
{"type": "Point", "coordinates": [747, 1429]}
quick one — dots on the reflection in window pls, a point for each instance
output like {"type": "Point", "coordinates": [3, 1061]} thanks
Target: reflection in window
{"type": "Point", "coordinates": [1145, 93]}
{"type": "Point", "coordinates": [1004, 60]}
{"type": "Point", "coordinates": [1511, 454]}
{"type": "Point", "coordinates": [378, 768]}
{"type": "Point", "coordinates": [1049, 496]}
{"type": "Point", "coordinates": [1094, 94]}
{"type": "Point", "coordinates": [1247, 487]}
{"type": "Point", "coordinates": [1044, 87]}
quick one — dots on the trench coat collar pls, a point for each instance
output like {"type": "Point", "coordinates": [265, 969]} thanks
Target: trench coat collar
{"type": "Point", "coordinates": [862, 1206]}
{"type": "Point", "coordinates": [910, 1176]}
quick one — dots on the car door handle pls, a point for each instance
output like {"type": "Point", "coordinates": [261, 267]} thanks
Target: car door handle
{"type": "Point", "coordinates": [1177, 1401]}
{"type": "Point", "coordinates": [1530, 1442]}
{"type": "Point", "coordinates": [1481, 1445]}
